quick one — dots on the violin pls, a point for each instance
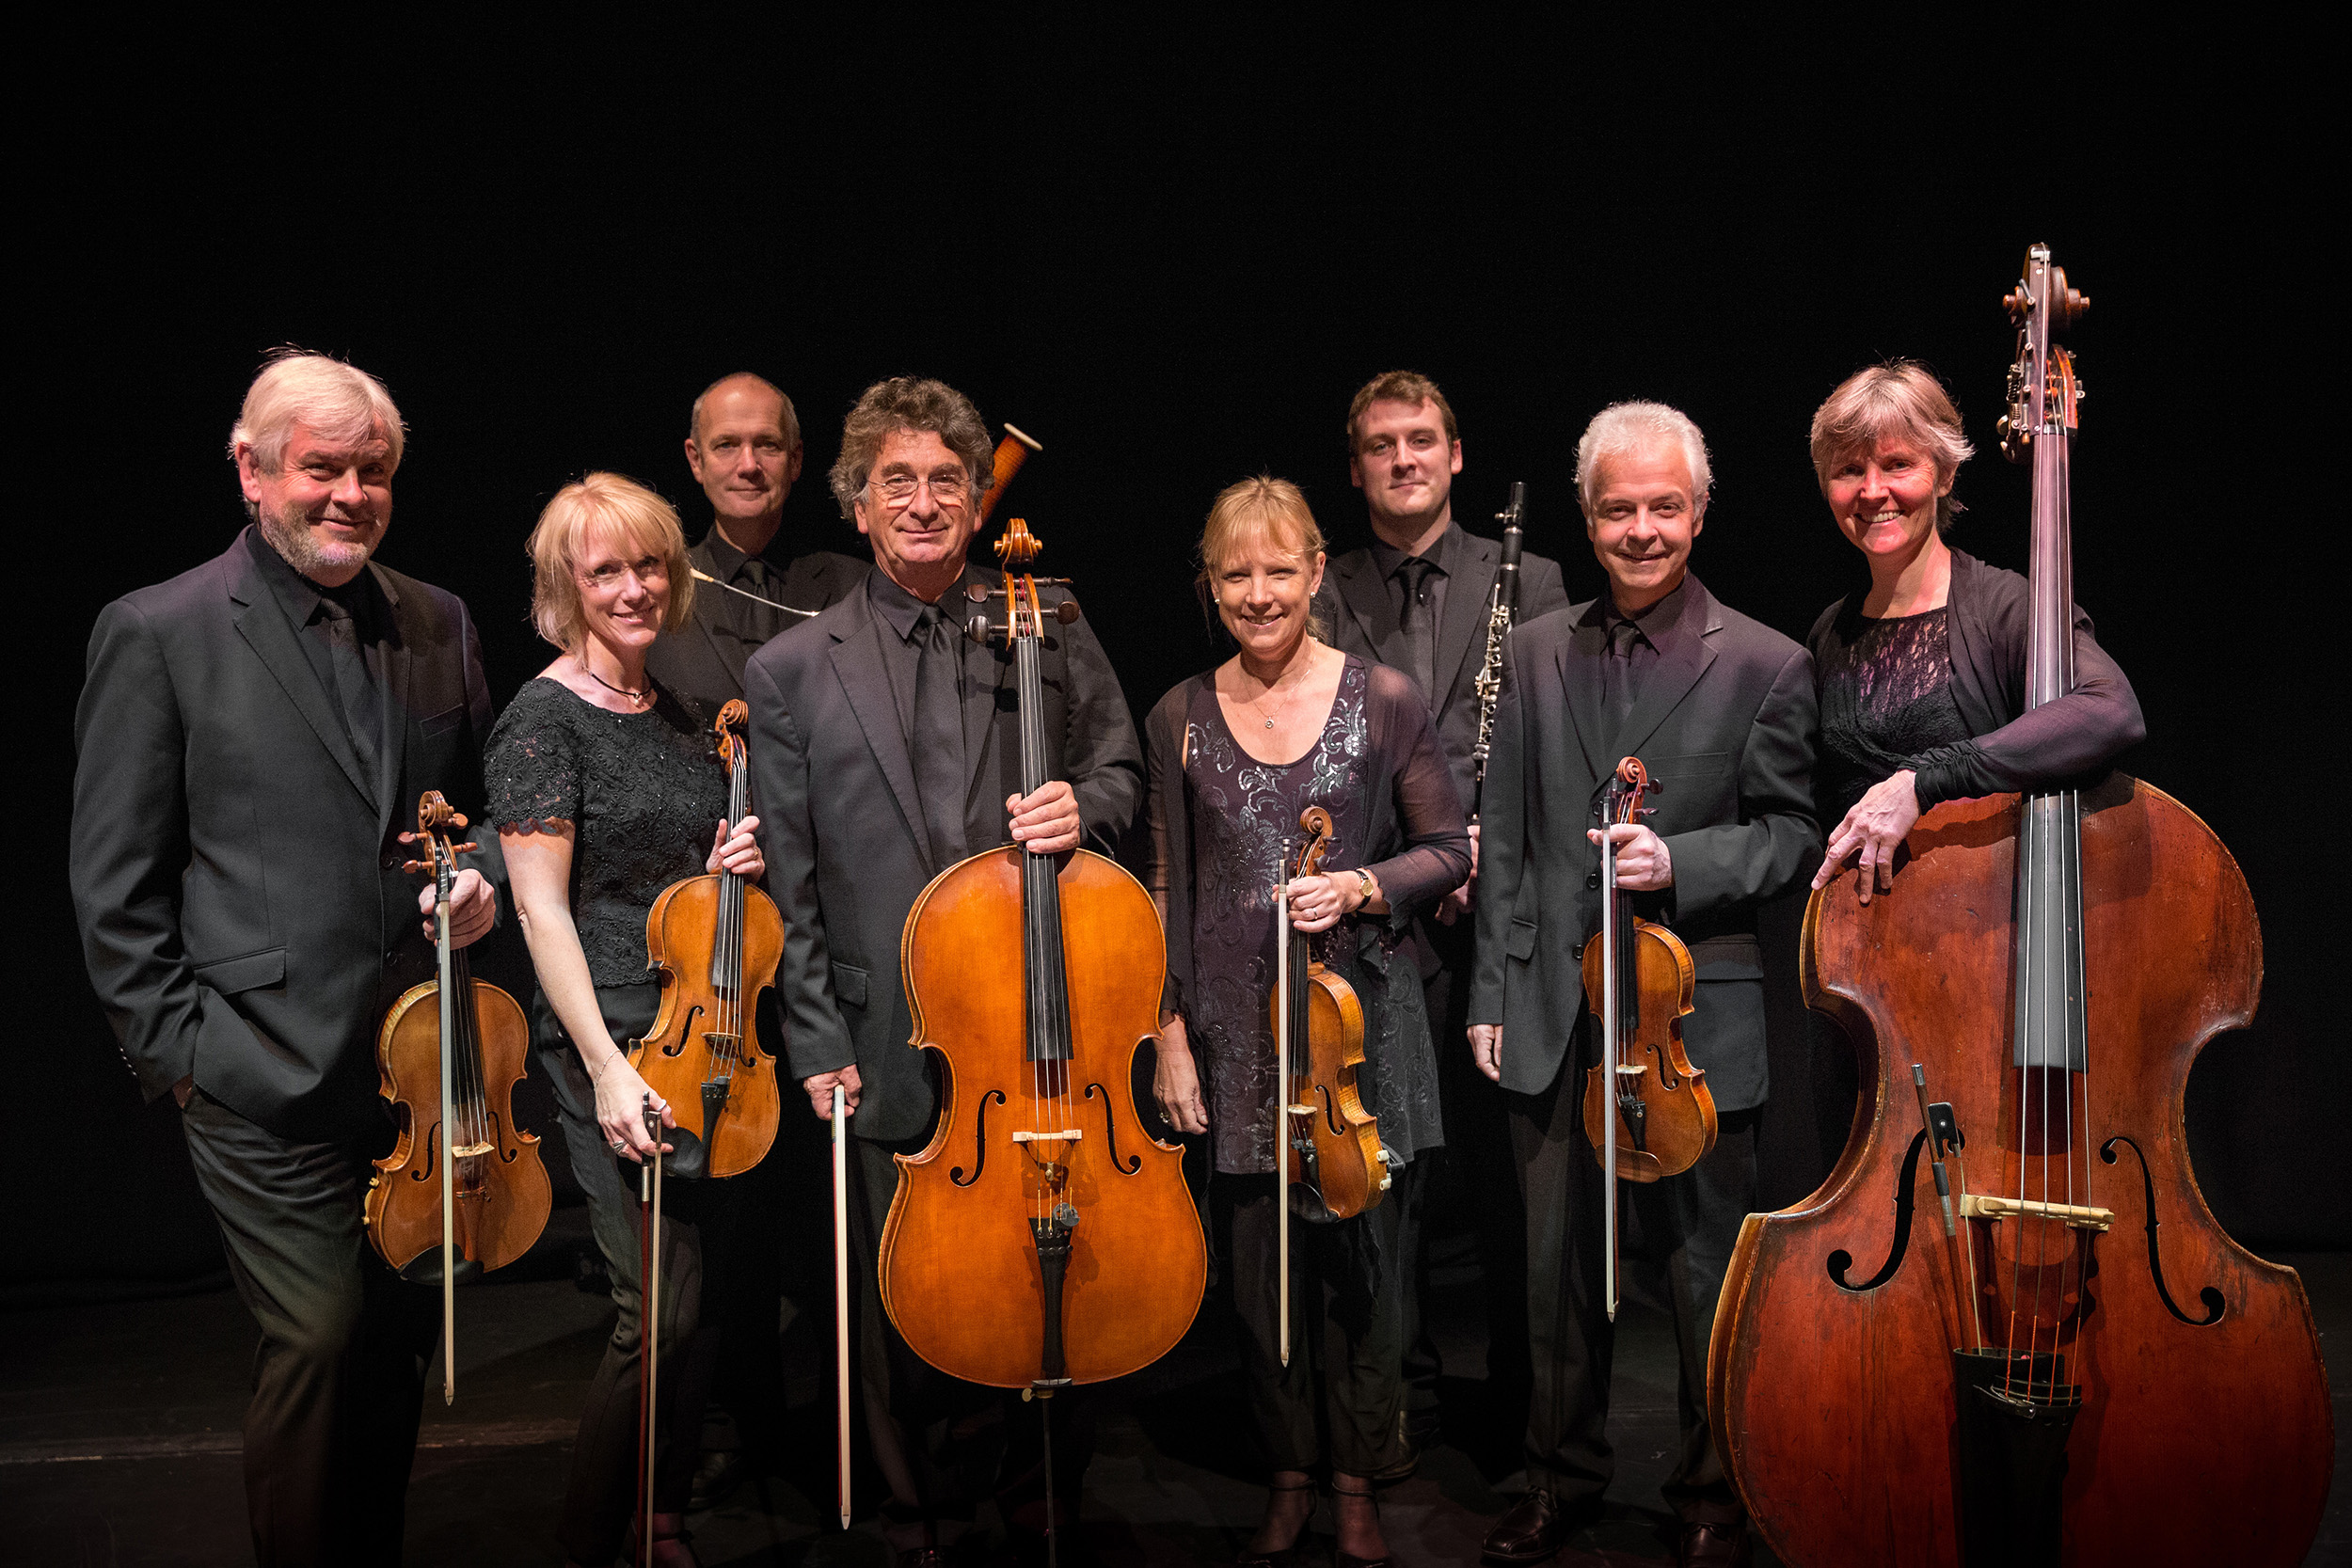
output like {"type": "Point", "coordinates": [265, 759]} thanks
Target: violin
{"type": "Point", "coordinates": [715, 939]}
{"type": "Point", "coordinates": [2067, 1361]}
{"type": "Point", "coordinates": [449, 1070]}
{"type": "Point", "coordinates": [1648, 1112]}
{"type": "Point", "coordinates": [1045, 1237]}
{"type": "Point", "coordinates": [1332, 1144]}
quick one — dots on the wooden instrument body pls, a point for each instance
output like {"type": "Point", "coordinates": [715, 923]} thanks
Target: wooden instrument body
{"type": "Point", "coordinates": [1680, 1110]}
{"type": "Point", "coordinates": [679, 1054]}
{"type": "Point", "coordinates": [960, 1274]}
{"type": "Point", "coordinates": [1836, 1407]}
{"type": "Point", "coordinates": [1347, 1171]}
{"type": "Point", "coordinates": [503, 1195]}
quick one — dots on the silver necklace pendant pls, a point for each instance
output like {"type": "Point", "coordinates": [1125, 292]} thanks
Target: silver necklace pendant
{"type": "Point", "coordinates": [1269, 723]}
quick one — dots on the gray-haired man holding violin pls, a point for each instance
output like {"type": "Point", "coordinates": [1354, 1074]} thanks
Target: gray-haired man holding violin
{"type": "Point", "coordinates": [254, 736]}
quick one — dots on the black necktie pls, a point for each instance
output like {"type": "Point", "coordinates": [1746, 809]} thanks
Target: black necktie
{"type": "Point", "coordinates": [759, 579]}
{"type": "Point", "coordinates": [939, 734]}
{"type": "Point", "coordinates": [1620, 686]}
{"type": "Point", "coordinates": [1420, 637]}
{"type": "Point", "coordinates": [353, 685]}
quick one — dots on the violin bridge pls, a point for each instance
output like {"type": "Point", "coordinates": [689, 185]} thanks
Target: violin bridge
{"type": "Point", "coordinates": [1301, 1110]}
{"type": "Point", "coordinates": [2077, 1216]}
{"type": "Point", "coordinates": [1632, 1069]}
{"type": "Point", "coordinates": [463, 1151]}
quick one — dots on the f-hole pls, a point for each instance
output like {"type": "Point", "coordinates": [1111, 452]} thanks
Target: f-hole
{"type": "Point", "coordinates": [1840, 1261]}
{"type": "Point", "coordinates": [2212, 1299]}
{"type": "Point", "coordinates": [979, 1143]}
{"type": "Point", "coordinates": [1110, 1132]}
{"type": "Point", "coordinates": [686, 1031]}
{"type": "Point", "coordinates": [1664, 1067]}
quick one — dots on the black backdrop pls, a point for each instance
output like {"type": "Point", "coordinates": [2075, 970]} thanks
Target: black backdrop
{"type": "Point", "coordinates": [1175, 272]}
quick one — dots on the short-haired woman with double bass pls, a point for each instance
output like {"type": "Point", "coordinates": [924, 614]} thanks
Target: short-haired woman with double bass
{"type": "Point", "coordinates": [1237, 756]}
{"type": "Point", "coordinates": [604, 790]}
{"type": "Point", "coordinates": [1922, 677]}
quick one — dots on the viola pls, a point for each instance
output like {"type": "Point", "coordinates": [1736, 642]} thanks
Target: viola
{"type": "Point", "coordinates": [2057, 1356]}
{"type": "Point", "coordinates": [1648, 1112]}
{"type": "Point", "coordinates": [464, 1190]}
{"type": "Point", "coordinates": [715, 939]}
{"type": "Point", "coordinates": [1043, 1237]}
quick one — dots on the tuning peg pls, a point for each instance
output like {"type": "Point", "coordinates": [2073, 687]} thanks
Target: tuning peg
{"type": "Point", "coordinates": [979, 592]}
{"type": "Point", "coordinates": [1067, 611]}
{"type": "Point", "coordinates": [412, 867]}
{"type": "Point", "coordinates": [982, 631]}
{"type": "Point", "coordinates": [463, 848]}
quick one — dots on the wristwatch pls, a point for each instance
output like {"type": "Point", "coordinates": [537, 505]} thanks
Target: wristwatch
{"type": "Point", "coordinates": [1364, 879]}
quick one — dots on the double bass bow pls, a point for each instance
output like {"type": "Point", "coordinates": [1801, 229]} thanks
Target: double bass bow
{"type": "Point", "coordinates": [715, 939]}
{"type": "Point", "coordinates": [463, 1191]}
{"type": "Point", "coordinates": [1043, 1237]}
{"type": "Point", "coordinates": [2075, 1364]}
{"type": "Point", "coordinates": [1648, 1112]}
{"type": "Point", "coordinates": [1327, 1143]}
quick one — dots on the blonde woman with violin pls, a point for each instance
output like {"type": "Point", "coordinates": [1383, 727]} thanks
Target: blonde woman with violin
{"type": "Point", "coordinates": [604, 790]}
{"type": "Point", "coordinates": [1237, 756]}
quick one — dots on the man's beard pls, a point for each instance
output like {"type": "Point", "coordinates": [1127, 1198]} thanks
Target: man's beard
{"type": "Point", "coordinates": [289, 533]}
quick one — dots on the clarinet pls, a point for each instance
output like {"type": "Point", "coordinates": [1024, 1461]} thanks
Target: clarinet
{"type": "Point", "coordinates": [1501, 604]}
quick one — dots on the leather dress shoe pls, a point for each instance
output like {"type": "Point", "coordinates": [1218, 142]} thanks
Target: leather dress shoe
{"type": "Point", "coordinates": [1535, 1528]}
{"type": "Point", "coordinates": [1706, 1544]}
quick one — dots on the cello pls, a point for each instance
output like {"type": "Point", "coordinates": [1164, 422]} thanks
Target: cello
{"type": "Point", "coordinates": [1043, 1237]}
{"type": "Point", "coordinates": [463, 1191]}
{"type": "Point", "coordinates": [1330, 1144]}
{"type": "Point", "coordinates": [1647, 1120]}
{"type": "Point", "coordinates": [715, 939]}
{"type": "Point", "coordinates": [2059, 1357]}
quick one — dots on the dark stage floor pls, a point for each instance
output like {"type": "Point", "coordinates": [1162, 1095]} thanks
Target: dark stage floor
{"type": "Point", "coordinates": [118, 1442]}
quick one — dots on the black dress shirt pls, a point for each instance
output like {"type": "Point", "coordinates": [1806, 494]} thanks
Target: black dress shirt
{"type": "Point", "coordinates": [307, 607]}
{"type": "Point", "coordinates": [1634, 642]}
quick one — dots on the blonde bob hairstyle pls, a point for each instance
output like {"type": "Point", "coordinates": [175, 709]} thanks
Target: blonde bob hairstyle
{"type": "Point", "coordinates": [595, 510]}
{"type": "Point", "coordinates": [1259, 510]}
{"type": "Point", "coordinates": [1901, 401]}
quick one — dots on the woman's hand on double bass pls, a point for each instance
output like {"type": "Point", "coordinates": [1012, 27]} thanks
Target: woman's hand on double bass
{"type": "Point", "coordinates": [1176, 1080]}
{"type": "Point", "coordinates": [1874, 829]}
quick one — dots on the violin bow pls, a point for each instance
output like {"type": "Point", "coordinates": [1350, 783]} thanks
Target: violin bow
{"type": "Point", "coordinates": [1610, 1003]}
{"type": "Point", "coordinates": [1281, 1104]}
{"type": "Point", "coordinates": [841, 1285]}
{"type": "Point", "coordinates": [649, 1325]}
{"type": "Point", "coordinates": [442, 873]}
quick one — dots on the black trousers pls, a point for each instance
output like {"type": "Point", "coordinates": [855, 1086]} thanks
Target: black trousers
{"type": "Point", "coordinates": [1470, 1185]}
{"type": "Point", "coordinates": [1685, 1226]}
{"type": "Point", "coordinates": [697, 1227]}
{"type": "Point", "coordinates": [339, 1378]}
{"type": "Point", "coordinates": [1341, 1398]}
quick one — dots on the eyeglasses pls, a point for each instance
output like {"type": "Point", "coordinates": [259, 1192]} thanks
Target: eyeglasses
{"type": "Point", "coordinates": [948, 488]}
{"type": "Point", "coordinates": [650, 570]}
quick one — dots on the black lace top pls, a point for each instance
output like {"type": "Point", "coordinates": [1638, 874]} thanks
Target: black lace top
{"type": "Point", "coordinates": [1886, 698]}
{"type": "Point", "coordinates": [642, 791]}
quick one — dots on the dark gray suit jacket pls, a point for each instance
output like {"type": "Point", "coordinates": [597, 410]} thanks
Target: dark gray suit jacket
{"type": "Point", "coordinates": [1354, 603]}
{"type": "Point", "coordinates": [705, 662]}
{"type": "Point", "coordinates": [1725, 724]}
{"type": "Point", "coordinates": [237, 874]}
{"type": "Point", "coordinates": [842, 828]}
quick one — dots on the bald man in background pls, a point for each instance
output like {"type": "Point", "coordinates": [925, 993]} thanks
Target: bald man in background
{"type": "Point", "coordinates": [743, 447]}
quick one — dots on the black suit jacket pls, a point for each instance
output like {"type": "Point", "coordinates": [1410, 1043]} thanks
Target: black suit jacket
{"type": "Point", "coordinates": [1353, 604]}
{"type": "Point", "coordinates": [237, 874]}
{"type": "Point", "coordinates": [704, 661]}
{"type": "Point", "coordinates": [842, 828]}
{"type": "Point", "coordinates": [1725, 724]}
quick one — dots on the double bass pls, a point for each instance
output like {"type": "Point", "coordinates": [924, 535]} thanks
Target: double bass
{"type": "Point", "coordinates": [1648, 1112]}
{"type": "Point", "coordinates": [2007, 1329]}
{"type": "Point", "coordinates": [463, 1190]}
{"type": "Point", "coordinates": [715, 940]}
{"type": "Point", "coordinates": [1043, 1237]}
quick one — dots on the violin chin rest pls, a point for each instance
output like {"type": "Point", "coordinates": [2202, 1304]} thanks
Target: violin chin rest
{"type": "Point", "coordinates": [425, 1269]}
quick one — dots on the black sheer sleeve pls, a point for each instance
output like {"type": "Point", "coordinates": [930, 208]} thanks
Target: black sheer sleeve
{"type": "Point", "coordinates": [1436, 858]}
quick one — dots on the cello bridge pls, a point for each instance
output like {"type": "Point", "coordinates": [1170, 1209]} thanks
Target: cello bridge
{"type": "Point", "coordinates": [1070, 1135]}
{"type": "Point", "coordinates": [465, 1150]}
